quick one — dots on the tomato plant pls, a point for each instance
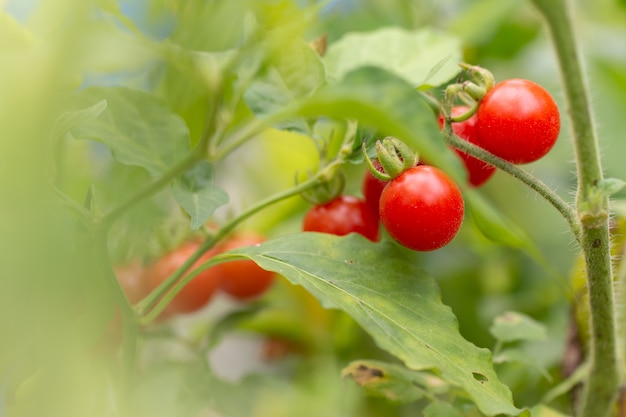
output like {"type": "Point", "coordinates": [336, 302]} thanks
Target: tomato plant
{"type": "Point", "coordinates": [422, 208]}
{"type": "Point", "coordinates": [342, 215]}
{"type": "Point", "coordinates": [197, 292]}
{"type": "Point", "coordinates": [478, 171]}
{"type": "Point", "coordinates": [130, 126]}
{"type": "Point", "coordinates": [518, 120]}
{"type": "Point", "coordinates": [243, 280]}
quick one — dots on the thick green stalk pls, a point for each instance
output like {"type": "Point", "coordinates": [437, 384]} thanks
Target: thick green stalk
{"type": "Point", "coordinates": [604, 380]}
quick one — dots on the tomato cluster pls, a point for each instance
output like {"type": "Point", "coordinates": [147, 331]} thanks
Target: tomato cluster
{"type": "Point", "coordinates": [243, 279]}
{"type": "Point", "coordinates": [422, 208]}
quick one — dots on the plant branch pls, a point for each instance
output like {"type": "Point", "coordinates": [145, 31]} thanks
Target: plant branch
{"type": "Point", "coordinates": [81, 213]}
{"type": "Point", "coordinates": [130, 326]}
{"type": "Point", "coordinates": [541, 188]}
{"type": "Point", "coordinates": [180, 168]}
{"type": "Point", "coordinates": [154, 304]}
{"type": "Point", "coordinates": [602, 386]}
{"type": "Point", "coordinates": [247, 132]}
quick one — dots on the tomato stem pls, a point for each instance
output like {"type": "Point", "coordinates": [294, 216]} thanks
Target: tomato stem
{"type": "Point", "coordinates": [605, 376]}
{"type": "Point", "coordinates": [154, 304]}
{"type": "Point", "coordinates": [466, 115]}
{"type": "Point", "coordinates": [180, 168]}
{"type": "Point", "coordinates": [130, 325]}
{"type": "Point", "coordinates": [245, 133]}
{"type": "Point", "coordinates": [533, 182]}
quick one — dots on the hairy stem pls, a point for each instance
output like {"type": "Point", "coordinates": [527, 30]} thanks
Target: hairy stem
{"type": "Point", "coordinates": [542, 189]}
{"type": "Point", "coordinates": [604, 380]}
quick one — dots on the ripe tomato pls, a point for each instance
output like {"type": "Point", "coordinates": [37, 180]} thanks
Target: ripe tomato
{"type": "Point", "coordinates": [479, 172]}
{"type": "Point", "coordinates": [243, 279]}
{"type": "Point", "coordinates": [345, 214]}
{"type": "Point", "coordinates": [198, 291]}
{"type": "Point", "coordinates": [372, 187]}
{"type": "Point", "coordinates": [422, 208]}
{"type": "Point", "coordinates": [518, 120]}
{"type": "Point", "coordinates": [133, 281]}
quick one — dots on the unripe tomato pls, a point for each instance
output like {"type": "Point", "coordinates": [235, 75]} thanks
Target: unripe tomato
{"type": "Point", "coordinates": [478, 171]}
{"type": "Point", "coordinates": [518, 121]}
{"type": "Point", "coordinates": [243, 279]}
{"type": "Point", "coordinates": [422, 208]}
{"type": "Point", "coordinates": [345, 214]}
{"type": "Point", "coordinates": [197, 293]}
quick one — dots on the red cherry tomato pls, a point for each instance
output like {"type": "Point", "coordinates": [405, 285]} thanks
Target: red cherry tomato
{"type": "Point", "coordinates": [422, 208]}
{"type": "Point", "coordinates": [197, 293]}
{"type": "Point", "coordinates": [372, 187]}
{"type": "Point", "coordinates": [243, 279]}
{"type": "Point", "coordinates": [343, 215]}
{"type": "Point", "coordinates": [518, 120]}
{"type": "Point", "coordinates": [479, 172]}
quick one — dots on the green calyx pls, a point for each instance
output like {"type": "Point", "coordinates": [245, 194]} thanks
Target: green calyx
{"type": "Point", "coordinates": [329, 188]}
{"type": "Point", "coordinates": [481, 76]}
{"type": "Point", "coordinates": [470, 91]}
{"type": "Point", "coordinates": [394, 157]}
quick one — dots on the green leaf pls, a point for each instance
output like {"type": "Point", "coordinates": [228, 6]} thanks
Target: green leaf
{"type": "Point", "coordinates": [490, 13]}
{"type": "Point", "coordinates": [520, 357]}
{"type": "Point", "coordinates": [422, 57]}
{"type": "Point", "coordinates": [575, 379]}
{"type": "Point", "coordinates": [203, 70]}
{"type": "Point", "coordinates": [196, 193]}
{"type": "Point", "coordinates": [542, 410]}
{"type": "Point", "coordinates": [377, 98]}
{"type": "Point", "coordinates": [495, 226]}
{"type": "Point", "coordinates": [74, 118]}
{"type": "Point", "coordinates": [398, 304]}
{"type": "Point", "coordinates": [392, 381]}
{"type": "Point", "coordinates": [512, 326]}
{"type": "Point", "coordinates": [441, 409]}
{"type": "Point", "coordinates": [271, 94]}
{"type": "Point", "coordinates": [301, 68]}
{"type": "Point", "coordinates": [610, 186]}
{"type": "Point", "coordinates": [139, 129]}
{"type": "Point", "coordinates": [297, 72]}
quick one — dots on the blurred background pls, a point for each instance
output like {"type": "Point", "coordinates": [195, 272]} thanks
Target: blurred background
{"type": "Point", "coordinates": [282, 355]}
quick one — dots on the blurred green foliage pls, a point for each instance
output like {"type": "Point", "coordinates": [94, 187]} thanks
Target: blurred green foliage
{"type": "Point", "coordinates": [52, 297]}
